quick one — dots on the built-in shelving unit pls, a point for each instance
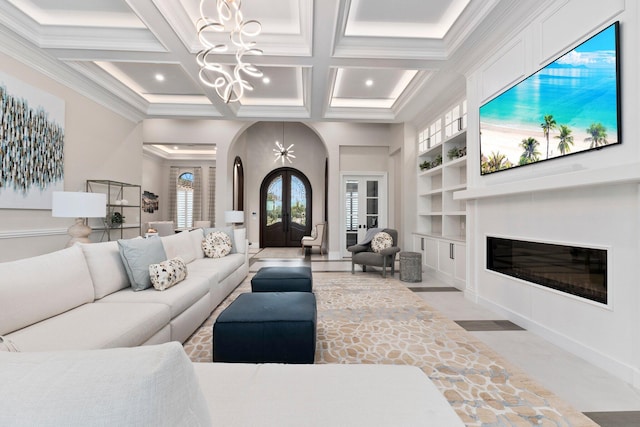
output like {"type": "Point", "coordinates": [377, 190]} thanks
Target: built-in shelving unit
{"type": "Point", "coordinates": [123, 199]}
{"type": "Point", "coordinates": [441, 217]}
{"type": "Point", "coordinates": [439, 214]}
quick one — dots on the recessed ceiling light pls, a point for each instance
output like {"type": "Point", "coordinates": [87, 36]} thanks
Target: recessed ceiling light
{"type": "Point", "coordinates": [175, 147]}
{"type": "Point", "coordinates": [266, 80]}
{"type": "Point", "coordinates": [159, 77]}
{"type": "Point", "coordinates": [369, 82]}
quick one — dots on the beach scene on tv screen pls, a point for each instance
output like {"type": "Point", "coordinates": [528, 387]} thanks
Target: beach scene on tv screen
{"type": "Point", "coordinates": [567, 107]}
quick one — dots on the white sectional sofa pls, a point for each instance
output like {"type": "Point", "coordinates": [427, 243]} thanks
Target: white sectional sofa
{"type": "Point", "coordinates": [80, 298]}
{"type": "Point", "coordinates": [158, 386]}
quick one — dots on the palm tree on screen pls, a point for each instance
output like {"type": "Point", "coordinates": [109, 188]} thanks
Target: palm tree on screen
{"type": "Point", "coordinates": [598, 135]}
{"type": "Point", "coordinates": [566, 139]}
{"type": "Point", "coordinates": [496, 161]}
{"type": "Point", "coordinates": [530, 153]}
{"type": "Point", "coordinates": [548, 124]}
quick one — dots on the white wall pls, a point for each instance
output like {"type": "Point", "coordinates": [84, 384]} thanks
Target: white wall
{"type": "Point", "coordinates": [533, 202]}
{"type": "Point", "coordinates": [98, 144]}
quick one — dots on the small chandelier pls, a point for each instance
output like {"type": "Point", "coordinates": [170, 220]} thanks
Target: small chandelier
{"type": "Point", "coordinates": [282, 153]}
{"type": "Point", "coordinates": [229, 86]}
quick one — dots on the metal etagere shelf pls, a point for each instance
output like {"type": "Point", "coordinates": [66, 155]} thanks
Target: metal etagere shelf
{"type": "Point", "coordinates": [123, 210]}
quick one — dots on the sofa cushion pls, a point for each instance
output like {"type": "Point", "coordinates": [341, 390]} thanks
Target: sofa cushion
{"type": "Point", "coordinates": [179, 245]}
{"type": "Point", "coordinates": [240, 239]}
{"type": "Point", "coordinates": [167, 273]}
{"type": "Point", "coordinates": [106, 267]}
{"type": "Point", "coordinates": [216, 244]}
{"type": "Point", "coordinates": [223, 267]}
{"type": "Point", "coordinates": [229, 232]}
{"type": "Point", "coordinates": [37, 288]}
{"type": "Point", "coordinates": [151, 386]}
{"type": "Point", "coordinates": [322, 395]}
{"type": "Point", "coordinates": [197, 236]}
{"type": "Point", "coordinates": [177, 298]}
{"type": "Point", "coordinates": [137, 255]}
{"type": "Point", "coordinates": [93, 326]}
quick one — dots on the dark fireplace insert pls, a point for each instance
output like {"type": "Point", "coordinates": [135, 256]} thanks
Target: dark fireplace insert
{"type": "Point", "coordinates": [571, 269]}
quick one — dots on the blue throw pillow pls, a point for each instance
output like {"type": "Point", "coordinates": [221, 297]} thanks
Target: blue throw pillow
{"type": "Point", "coordinates": [137, 255]}
{"type": "Point", "coordinates": [226, 230]}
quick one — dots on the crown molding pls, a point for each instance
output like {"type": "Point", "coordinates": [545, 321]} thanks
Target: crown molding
{"type": "Point", "coordinates": [25, 52]}
{"type": "Point", "coordinates": [124, 39]}
{"type": "Point", "coordinates": [178, 111]}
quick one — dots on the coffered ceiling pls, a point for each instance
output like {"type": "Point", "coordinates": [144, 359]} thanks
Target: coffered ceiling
{"type": "Point", "coordinates": [360, 60]}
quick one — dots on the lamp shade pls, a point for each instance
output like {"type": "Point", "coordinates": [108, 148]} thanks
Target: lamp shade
{"type": "Point", "coordinates": [70, 204]}
{"type": "Point", "coordinates": [234, 217]}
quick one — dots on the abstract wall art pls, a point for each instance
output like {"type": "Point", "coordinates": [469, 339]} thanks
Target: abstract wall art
{"type": "Point", "coordinates": [31, 145]}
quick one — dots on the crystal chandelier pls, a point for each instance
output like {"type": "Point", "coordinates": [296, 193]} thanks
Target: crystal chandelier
{"type": "Point", "coordinates": [282, 153]}
{"type": "Point", "coordinates": [230, 86]}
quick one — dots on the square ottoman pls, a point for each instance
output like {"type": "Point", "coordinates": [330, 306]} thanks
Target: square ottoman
{"type": "Point", "coordinates": [267, 327]}
{"type": "Point", "coordinates": [282, 279]}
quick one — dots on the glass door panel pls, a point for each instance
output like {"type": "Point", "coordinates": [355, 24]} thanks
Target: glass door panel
{"type": "Point", "coordinates": [274, 201]}
{"type": "Point", "coordinates": [364, 207]}
{"type": "Point", "coordinates": [372, 204]}
{"type": "Point", "coordinates": [351, 212]}
{"type": "Point", "coordinates": [298, 196]}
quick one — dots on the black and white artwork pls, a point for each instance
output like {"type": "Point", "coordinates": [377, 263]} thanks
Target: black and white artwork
{"type": "Point", "coordinates": [31, 145]}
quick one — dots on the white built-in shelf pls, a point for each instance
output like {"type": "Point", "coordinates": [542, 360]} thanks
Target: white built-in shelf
{"type": "Point", "coordinates": [456, 187]}
{"type": "Point", "coordinates": [431, 192]}
{"type": "Point", "coordinates": [430, 213]}
{"type": "Point", "coordinates": [460, 162]}
{"type": "Point", "coordinates": [432, 171]}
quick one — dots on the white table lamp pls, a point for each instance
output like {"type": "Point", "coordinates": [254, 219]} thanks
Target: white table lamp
{"type": "Point", "coordinates": [234, 217]}
{"type": "Point", "coordinates": [78, 205]}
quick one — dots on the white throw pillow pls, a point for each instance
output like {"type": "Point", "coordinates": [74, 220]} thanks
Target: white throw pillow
{"type": "Point", "coordinates": [167, 273]}
{"type": "Point", "coordinates": [381, 241]}
{"type": "Point", "coordinates": [216, 244]}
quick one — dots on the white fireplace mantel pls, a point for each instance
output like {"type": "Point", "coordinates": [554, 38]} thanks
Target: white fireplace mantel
{"type": "Point", "coordinates": [622, 174]}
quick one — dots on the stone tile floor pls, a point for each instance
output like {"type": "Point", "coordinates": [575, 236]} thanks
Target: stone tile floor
{"type": "Point", "coordinates": [606, 399]}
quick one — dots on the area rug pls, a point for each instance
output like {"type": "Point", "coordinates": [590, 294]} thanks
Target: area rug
{"type": "Point", "coordinates": [279, 253]}
{"type": "Point", "coordinates": [368, 319]}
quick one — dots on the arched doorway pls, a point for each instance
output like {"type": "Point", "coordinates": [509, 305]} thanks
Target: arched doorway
{"type": "Point", "coordinates": [285, 208]}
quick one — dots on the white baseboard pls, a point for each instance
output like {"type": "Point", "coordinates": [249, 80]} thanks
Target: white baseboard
{"type": "Point", "coordinates": [615, 367]}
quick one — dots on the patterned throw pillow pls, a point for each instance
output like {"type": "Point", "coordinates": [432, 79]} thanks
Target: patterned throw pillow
{"type": "Point", "coordinates": [216, 244]}
{"type": "Point", "coordinates": [381, 241]}
{"type": "Point", "coordinates": [167, 273]}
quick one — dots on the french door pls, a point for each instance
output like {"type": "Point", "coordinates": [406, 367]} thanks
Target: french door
{"type": "Point", "coordinates": [285, 208]}
{"type": "Point", "coordinates": [364, 206]}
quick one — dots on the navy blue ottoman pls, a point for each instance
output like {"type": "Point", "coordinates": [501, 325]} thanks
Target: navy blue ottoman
{"type": "Point", "coordinates": [282, 279]}
{"type": "Point", "coordinates": [267, 327]}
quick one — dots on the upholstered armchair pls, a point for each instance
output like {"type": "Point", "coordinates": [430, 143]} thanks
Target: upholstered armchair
{"type": "Point", "coordinates": [364, 254]}
{"type": "Point", "coordinates": [164, 228]}
{"type": "Point", "coordinates": [316, 238]}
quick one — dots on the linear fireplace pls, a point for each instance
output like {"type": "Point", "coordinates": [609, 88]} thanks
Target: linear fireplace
{"type": "Point", "coordinates": [571, 269]}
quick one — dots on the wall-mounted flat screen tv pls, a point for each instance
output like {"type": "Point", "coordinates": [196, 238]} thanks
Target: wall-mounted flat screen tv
{"type": "Point", "coordinates": [570, 106]}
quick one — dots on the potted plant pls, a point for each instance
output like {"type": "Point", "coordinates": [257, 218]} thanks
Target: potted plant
{"type": "Point", "coordinates": [116, 220]}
